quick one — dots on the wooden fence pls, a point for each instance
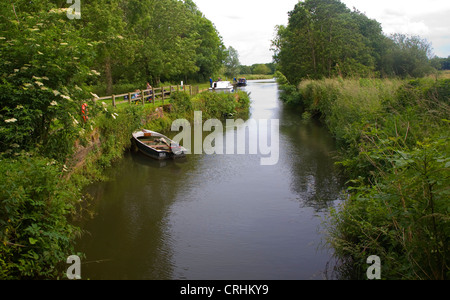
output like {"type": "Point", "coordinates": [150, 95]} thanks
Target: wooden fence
{"type": "Point", "coordinates": [150, 96]}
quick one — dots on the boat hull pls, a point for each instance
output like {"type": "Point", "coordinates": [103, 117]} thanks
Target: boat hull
{"type": "Point", "coordinates": [175, 151]}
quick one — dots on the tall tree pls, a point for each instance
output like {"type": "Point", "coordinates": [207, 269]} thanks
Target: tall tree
{"type": "Point", "coordinates": [324, 38]}
{"type": "Point", "coordinates": [45, 61]}
{"type": "Point", "coordinates": [232, 62]}
{"type": "Point", "coordinates": [103, 24]}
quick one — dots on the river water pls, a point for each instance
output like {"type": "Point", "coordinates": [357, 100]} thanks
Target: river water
{"type": "Point", "coordinates": [214, 217]}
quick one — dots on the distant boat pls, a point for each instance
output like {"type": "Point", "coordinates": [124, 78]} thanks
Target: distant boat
{"type": "Point", "coordinates": [222, 86]}
{"type": "Point", "coordinates": [157, 146]}
{"type": "Point", "coordinates": [242, 82]}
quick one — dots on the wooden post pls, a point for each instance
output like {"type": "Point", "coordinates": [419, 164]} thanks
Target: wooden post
{"type": "Point", "coordinates": [143, 97]}
{"type": "Point", "coordinates": [114, 100]}
{"type": "Point", "coordinates": [153, 96]}
{"type": "Point", "coordinates": [129, 98]}
{"type": "Point", "coordinates": [162, 93]}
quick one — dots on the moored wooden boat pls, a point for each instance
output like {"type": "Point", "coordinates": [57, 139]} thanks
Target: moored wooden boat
{"type": "Point", "coordinates": [157, 146]}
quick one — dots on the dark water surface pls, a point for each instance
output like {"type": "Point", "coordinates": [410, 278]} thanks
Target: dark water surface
{"type": "Point", "coordinates": [218, 216]}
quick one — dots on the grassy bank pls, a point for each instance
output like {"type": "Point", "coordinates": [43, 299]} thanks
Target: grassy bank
{"type": "Point", "coordinates": [393, 136]}
{"type": "Point", "coordinates": [41, 196]}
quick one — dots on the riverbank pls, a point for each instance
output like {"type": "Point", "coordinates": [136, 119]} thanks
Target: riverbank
{"type": "Point", "coordinates": [41, 196]}
{"type": "Point", "coordinates": [393, 139]}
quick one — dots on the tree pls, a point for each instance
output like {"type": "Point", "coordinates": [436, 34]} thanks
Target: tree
{"type": "Point", "coordinates": [232, 62]}
{"type": "Point", "coordinates": [408, 56]}
{"type": "Point", "coordinates": [45, 61]}
{"type": "Point", "coordinates": [324, 39]}
{"type": "Point", "coordinates": [103, 24]}
{"type": "Point", "coordinates": [260, 69]}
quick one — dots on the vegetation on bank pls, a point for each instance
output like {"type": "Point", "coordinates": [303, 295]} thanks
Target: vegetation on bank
{"type": "Point", "coordinates": [393, 133]}
{"type": "Point", "coordinates": [394, 149]}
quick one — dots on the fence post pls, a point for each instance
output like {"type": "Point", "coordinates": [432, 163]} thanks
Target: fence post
{"type": "Point", "coordinates": [153, 96]}
{"type": "Point", "coordinates": [143, 97]}
{"type": "Point", "coordinates": [114, 100]}
{"type": "Point", "coordinates": [162, 93]}
{"type": "Point", "coordinates": [129, 98]}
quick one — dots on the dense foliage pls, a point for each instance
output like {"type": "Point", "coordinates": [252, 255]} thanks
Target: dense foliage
{"type": "Point", "coordinates": [51, 58]}
{"type": "Point", "coordinates": [324, 39]}
{"type": "Point", "coordinates": [394, 141]}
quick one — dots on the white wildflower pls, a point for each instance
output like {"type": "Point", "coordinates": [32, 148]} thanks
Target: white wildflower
{"type": "Point", "coordinates": [39, 83]}
{"type": "Point", "coordinates": [64, 44]}
{"type": "Point", "coordinates": [95, 72]}
{"type": "Point", "coordinates": [65, 97]}
{"type": "Point", "coordinates": [53, 103]}
{"type": "Point", "coordinates": [56, 93]}
{"type": "Point", "coordinates": [114, 117]}
{"type": "Point", "coordinates": [13, 120]}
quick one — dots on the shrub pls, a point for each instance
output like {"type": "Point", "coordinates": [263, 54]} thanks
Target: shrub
{"type": "Point", "coordinates": [35, 201]}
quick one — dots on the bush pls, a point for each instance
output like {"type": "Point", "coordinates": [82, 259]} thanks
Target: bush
{"type": "Point", "coordinates": [35, 201]}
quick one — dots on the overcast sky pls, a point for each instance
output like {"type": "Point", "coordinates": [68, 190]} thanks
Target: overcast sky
{"type": "Point", "coordinates": [248, 25]}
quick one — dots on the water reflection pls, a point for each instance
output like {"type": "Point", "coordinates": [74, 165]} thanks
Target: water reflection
{"type": "Point", "coordinates": [308, 148]}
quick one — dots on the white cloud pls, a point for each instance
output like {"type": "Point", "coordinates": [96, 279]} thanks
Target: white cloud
{"type": "Point", "coordinates": [248, 25]}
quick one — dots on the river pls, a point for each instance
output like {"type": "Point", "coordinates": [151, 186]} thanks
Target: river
{"type": "Point", "coordinates": [218, 217]}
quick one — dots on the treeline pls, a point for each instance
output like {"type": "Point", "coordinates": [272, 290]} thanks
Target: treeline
{"type": "Point", "coordinates": [258, 69]}
{"type": "Point", "coordinates": [441, 63]}
{"type": "Point", "coordinates": [53, 54]}
{"type": "Point", "coordinates": [325, 39]}
{"type": "Point", "coordinates": [124, 40]}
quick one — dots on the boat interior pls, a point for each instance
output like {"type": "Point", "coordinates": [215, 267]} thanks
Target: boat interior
{"type": "Point", "coordinates": [156, 143]}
